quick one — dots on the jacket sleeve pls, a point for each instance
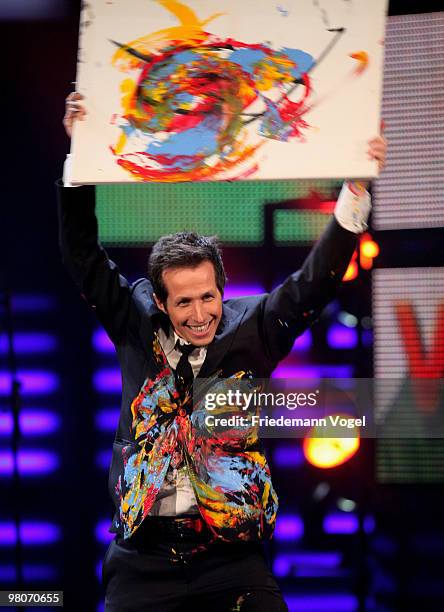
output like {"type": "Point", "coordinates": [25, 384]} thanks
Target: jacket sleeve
{"type": "Point", "coordinates": [97, 277]}
{"type": "Point", "coordinates": [298, 302]}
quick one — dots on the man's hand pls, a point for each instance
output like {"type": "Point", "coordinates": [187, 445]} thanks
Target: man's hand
{"type": "Point", "coordinates": [377, 149]}
{"type": "Point", "coordinates": [74, 111]}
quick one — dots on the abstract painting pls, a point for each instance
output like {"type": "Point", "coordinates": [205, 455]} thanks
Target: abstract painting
{"type": "Point", "coordinates": [203, 90]}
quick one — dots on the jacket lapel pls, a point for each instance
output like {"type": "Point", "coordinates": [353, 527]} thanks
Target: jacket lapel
{"type": "Point", "coordinates": [222, 341]}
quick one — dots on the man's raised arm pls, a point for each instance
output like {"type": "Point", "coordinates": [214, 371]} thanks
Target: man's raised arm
{"type": "Point", "coordinates": [97, 277]}
{"type": "Point", "coordinates": [299, 301]}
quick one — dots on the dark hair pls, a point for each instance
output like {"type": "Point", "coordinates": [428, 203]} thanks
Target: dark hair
{"type": "Point", "coordinates": [181, 250]}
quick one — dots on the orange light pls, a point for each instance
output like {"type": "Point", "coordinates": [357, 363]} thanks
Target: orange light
{"type": "Point", "coordinates": [325, 452]}
{"type": "Point", "coordinates": [329, 452]}
{"type": "Point", "coordinates": [369, 249]}
{"type": "Point", "coordinates": [352, 271]}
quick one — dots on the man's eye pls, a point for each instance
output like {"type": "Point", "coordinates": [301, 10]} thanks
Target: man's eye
{"type": "Point", "coordinates": [208, 298]}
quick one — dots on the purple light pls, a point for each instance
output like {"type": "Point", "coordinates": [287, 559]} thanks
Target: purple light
{"type": "Point", "coordinates": [303, 342]}
{"type": "Point", "coordinates": [103, 459]}
{"type": "Point", "coordinates": [6, 424]}
{"type": "Point", "coordinates": [367, 337]}
{"type": "Point", "coordinates": [31, 533]}
{"type": "Point", "coordinates": [31, 572]}
{"type": "Point", "coordinates": [315, 372]}
{"type": "Point", "coordinates": [237, 291]}
{"type": "Point", "coordinates": [39, 572]}
{"type": "Point", "coordinates": [33, 382]}
{"type": "Point", "coordinates": [6, 463]}
{"type": "Point", "coordinates": [32, 423]}
{"type": "Point", "coordinates": [334, 602]}
{"type": "Point", "coordinates": [342, 337]}
{"type": "Point", "coordinates": [99, 565]}
{"type": "Point", "coordinates": [108, 419]}
{"type": "Point", "coordinates": [101, 605]}
{"type": "Point", "coordinates": [288, 456]}
{"type": "Point", "coordinates": [101, 532]}
{"type": "Point", "coordinates": [324, 572]}
{"type": "Point", "coordinates": [289, 528]}
{"type": "Point", "coordinates": [30, 463]}
{"type": "Point", "coordinates": [35, 534]}
{"type": "Point", "coordinates": [369, 524]}
{"type": "Point", "coordinates": [8, 573]}
{"type": "Point", "coordinates": [28, 343]}
{"type": "Point", "coordinates": [341, 522]}
{"type": "Point", "coordinates": [32, 303]}
{"type": "Point", "coordinates": [108, 381]}
{"type": "Point", "coordinates": [8, 534]}
{"type": "Point", "coordinates": [288, 564]}
{"type": "Point", "coordinates": [38, 422]}
{"type": "Point", "coordinates": [101, 342]}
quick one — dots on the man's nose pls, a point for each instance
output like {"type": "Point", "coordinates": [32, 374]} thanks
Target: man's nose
{"type": "Point", "coordinates": [198, 312]}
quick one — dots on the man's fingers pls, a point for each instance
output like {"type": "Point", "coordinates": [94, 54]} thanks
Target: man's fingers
{"type": "Point", "coordinates": [74, 95]}
{"type": "Point", "coordinates": [74, 110]}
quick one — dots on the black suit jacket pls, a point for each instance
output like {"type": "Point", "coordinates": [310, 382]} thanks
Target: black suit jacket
{"type": "Point", "coordinates": [255, 333]}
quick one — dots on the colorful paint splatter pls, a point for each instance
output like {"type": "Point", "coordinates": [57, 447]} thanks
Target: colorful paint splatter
{"type": "Point", "coordinates": [227, 469]}
{"type": "Point", "coordinates": [187, 115]}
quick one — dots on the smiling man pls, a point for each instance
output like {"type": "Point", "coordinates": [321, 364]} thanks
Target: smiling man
{"type": "Point", "coordinates": [192, 510]}
{"type": "Point", "coordinates": [188, 281]}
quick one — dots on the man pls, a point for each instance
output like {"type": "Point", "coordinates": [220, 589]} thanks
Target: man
{"type": "Point", "coordinates": [193, 507]}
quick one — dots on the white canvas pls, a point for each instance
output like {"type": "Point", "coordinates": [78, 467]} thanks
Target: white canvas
{"type": "Point", "coordinates": [211, 90]}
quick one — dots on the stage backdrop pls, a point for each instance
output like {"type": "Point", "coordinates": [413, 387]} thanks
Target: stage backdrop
{"type": "Point", "coordinates": [210, 90]}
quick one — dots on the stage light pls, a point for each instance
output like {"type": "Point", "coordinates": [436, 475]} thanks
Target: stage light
{"type": "Point", "coordinates": [368, 250]}
{"type": "Point", "coordinates": [101, 342]}
{"type": "Point", "coordinates": [303, 342]}
{"type": "Point", "coordinates": [341, 523]}
{"type": "Point", "coordinates": [30, 463]}
{"type": "Point", "coordinates": [347, 319]}
{"type": "Point", "coordinates": [346, 505]}
{"type": "Point", "coordinates": [289, 528]}
{"type": "Point", "coordinates": [31, 533]}
{"type": "Point", "coordinates": [39, 572]}
{"type": "Point", "coordinates": [342, 337]}
{"type": "Point", "coordinates": [288, 456]}
{"type": "Point", "coordinates": [108, 380]}
{"type": "Point", "coordinates": [103, 459]}
{"type": "Point", "coordinates": [289, 564]}
{"type": "Point", "coordinates": [313, 371]}
{"type": "Point", "coordinates": [32, 303]}
{"type": "Point", "coordinates": [236, 291]}
{"type": "Point", "coordinates": [107, 419]}
{"type": "Point", "coordinates": [101, 531]}
{"type": "Point", "coordinates": [28, 343]}
{"type": "Point", "coordinates": [32, 423]}
{"type": "Point", "coordinates": [352, 270]}
{"type": "Point", "coordinates": [33, 382]}
{"type": "Point", "coordinates": [330, 602]}
{"type": "Point", "coordinates": [330, 452]}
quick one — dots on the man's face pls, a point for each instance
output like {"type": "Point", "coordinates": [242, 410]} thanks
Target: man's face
{"type": "Point", "coordinates": [194, 303]}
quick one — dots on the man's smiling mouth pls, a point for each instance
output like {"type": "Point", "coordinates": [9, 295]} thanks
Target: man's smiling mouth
{"type": "Point", "coordinates": [200, 328]}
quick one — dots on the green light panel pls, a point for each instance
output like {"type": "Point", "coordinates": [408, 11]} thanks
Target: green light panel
{"type": "Point", "coordinates": [133, 215]}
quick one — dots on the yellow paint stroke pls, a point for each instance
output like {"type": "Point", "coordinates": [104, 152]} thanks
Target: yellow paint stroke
{"type": "Point", "coordinates": [273, 70]}
{"type": "Point", "coordinates": [363, 60]}
{"type": "Point", "coordinates": [190, 31]}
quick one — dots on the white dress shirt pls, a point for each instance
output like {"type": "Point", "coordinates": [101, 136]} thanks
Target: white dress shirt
{"type": "Point", "coordinates": [176, 495]}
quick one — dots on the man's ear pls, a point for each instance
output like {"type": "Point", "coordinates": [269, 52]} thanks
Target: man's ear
{"type": "Point", "coordinates": [159, 304]}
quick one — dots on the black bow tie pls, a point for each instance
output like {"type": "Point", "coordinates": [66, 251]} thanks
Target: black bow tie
{"type": "Point", "coordinates": [184, 371]}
